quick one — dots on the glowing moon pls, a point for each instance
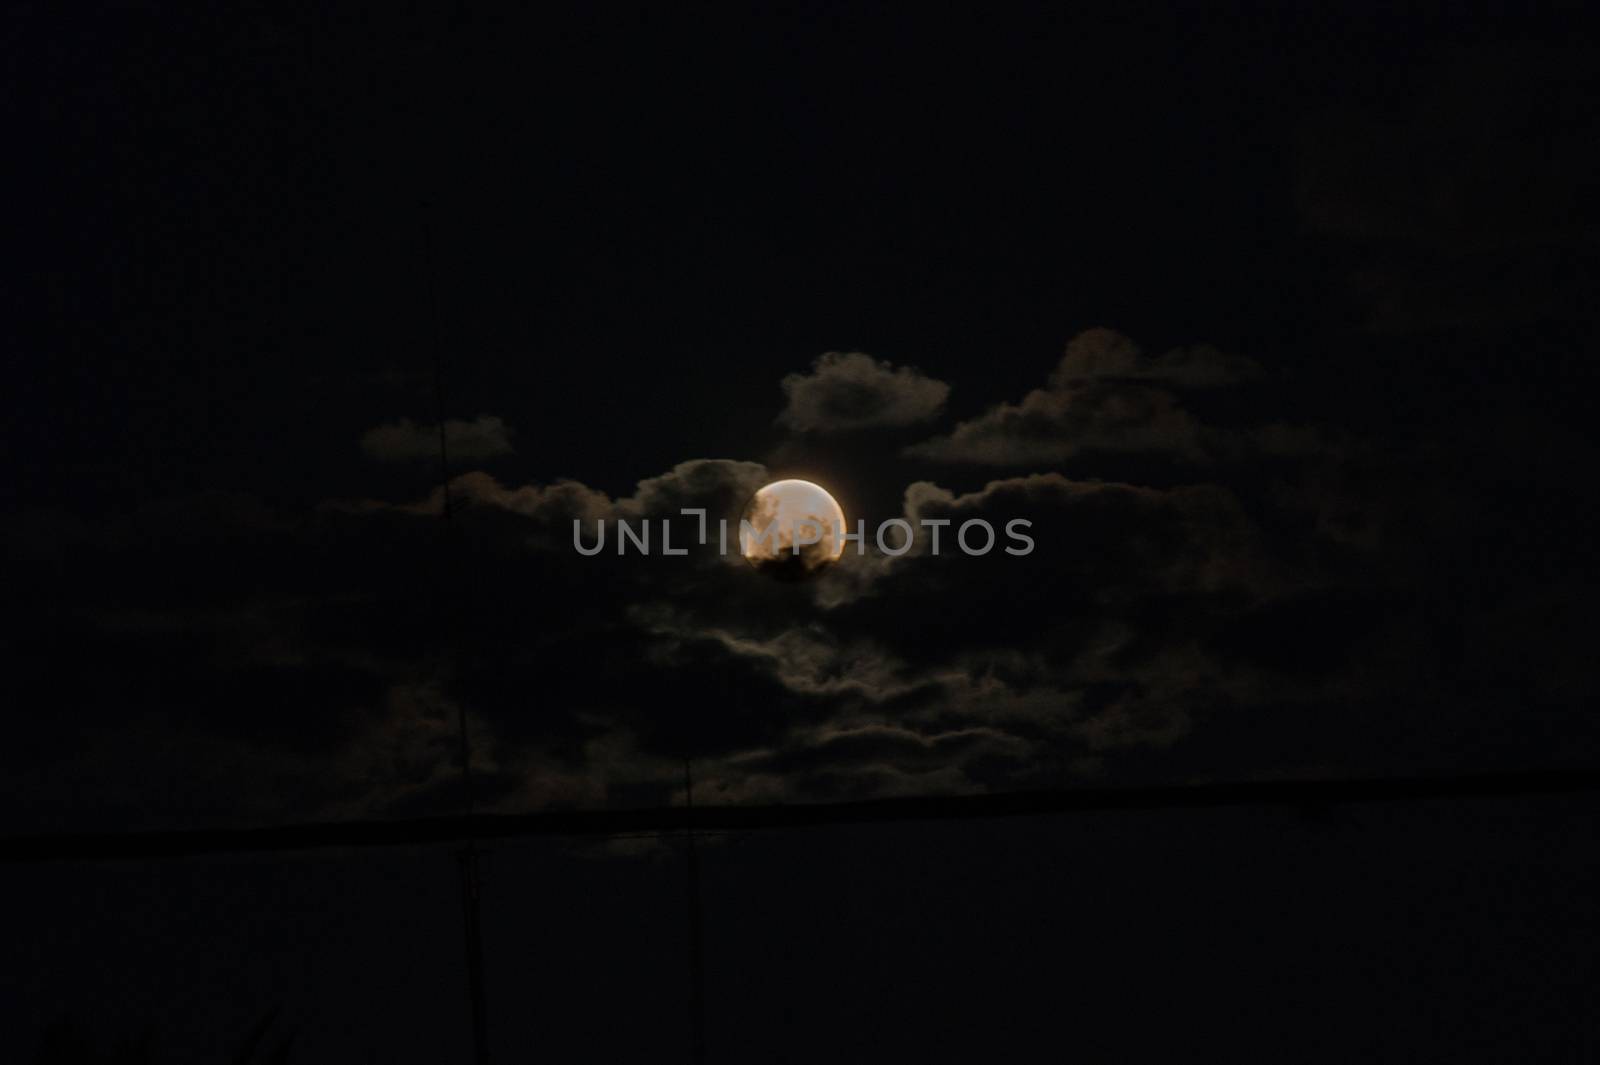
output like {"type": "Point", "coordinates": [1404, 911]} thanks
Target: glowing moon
{"type": "Point", "coordinates": [785, 514]}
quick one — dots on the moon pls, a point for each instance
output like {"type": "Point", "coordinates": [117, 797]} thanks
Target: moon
{"type": "Point", "coordinates": [782, 513]}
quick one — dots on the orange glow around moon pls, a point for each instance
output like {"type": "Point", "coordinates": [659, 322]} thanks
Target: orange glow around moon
{"type": "Point", "coordinates": [783, 513]}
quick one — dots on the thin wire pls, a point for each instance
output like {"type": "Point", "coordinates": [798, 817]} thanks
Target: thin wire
{"type": "Point", "coordinates": [471, 910]}
{"type": "Point", "coordinates": [697, 967]}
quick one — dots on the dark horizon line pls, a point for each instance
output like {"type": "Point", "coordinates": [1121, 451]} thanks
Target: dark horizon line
{"type": "Point", "coordinates": [120, 846]}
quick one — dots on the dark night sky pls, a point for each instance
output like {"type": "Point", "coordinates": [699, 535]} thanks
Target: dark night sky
{"type": "Point", "coordinates": [1278, 323]}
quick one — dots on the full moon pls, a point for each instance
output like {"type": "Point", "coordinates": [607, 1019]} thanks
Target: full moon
{"type": "Point", "coordinates": [785, 514]}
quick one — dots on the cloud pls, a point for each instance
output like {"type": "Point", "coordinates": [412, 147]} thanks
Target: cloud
{"type": "Point", "coordinates": [1105, 395]}
{"type": "Point", "coordinates": [846, 391]}
{"type": "Point", "coordinates": [1434, 166]}
{"type": "Point", "coordinates": [875, 760]}
{"type": "Point", "coordinates": [1449, 225]}
{"type": "Point", "coordinates": [1090, 648]}
{"type": "Point", "coordinates": [484, 437]}
{"type": "Point", "coordinates": [1161, 630]}
{"type": "Point", "coordinates": [1050, 426]}
{"type": "Point", "coordinates": [588, 680]}
{"type": "Point", "coordinates": [720, 487]}
{"type": "Point", "coordinates": [1102, 354]}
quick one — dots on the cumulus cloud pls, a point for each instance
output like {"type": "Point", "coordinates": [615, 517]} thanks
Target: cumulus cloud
{"type": "Point", "coordinates": [1102, 354]}
{"type": "Point", "coordinates": [850, 390]}
{"type": "Point", "coordinates": [1105, 395]}
{"type": "Point", "coordinates": [1147, 622]}
{"type": "Point", "coordinates": [486, 436]}
{"type": "Point", "coordinates": [1051, 426]}
{"type": "Point", "coordinates": [917, 674]}
{"type": "Point", "coordinates": [1445, 227]}
{"type": "Point", "coordinates": [807, 661]}
{"type": "Point", "coordinates": [720, 487]}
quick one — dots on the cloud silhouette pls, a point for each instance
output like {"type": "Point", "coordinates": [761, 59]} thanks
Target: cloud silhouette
{"type": "Point", "coordinates": [1183, 626]}
{"type": "Point", "coordinates": [850, 390]}
{"type": "Point", "coordinates": [1105, 395]}
{"type": "Point", "coordinates": [486, 436]}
